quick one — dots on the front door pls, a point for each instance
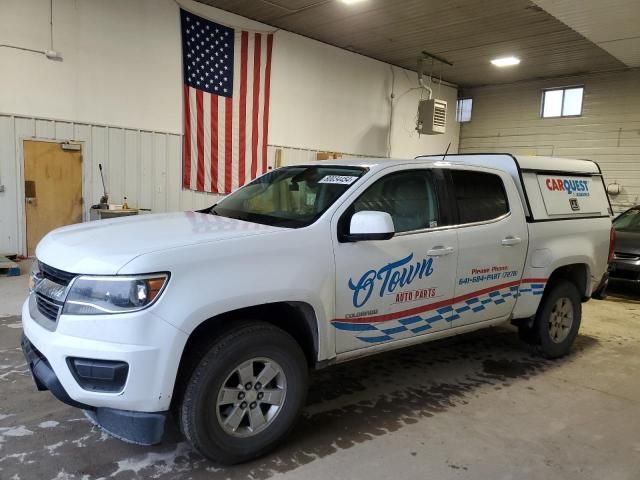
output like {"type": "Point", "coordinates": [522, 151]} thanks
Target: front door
{"type": "Point", "coordinates": [492, 236]}
{"type": "Point", "coordinates": [389, 290]}
{"type": "Point", "coordinates": [53, 189]}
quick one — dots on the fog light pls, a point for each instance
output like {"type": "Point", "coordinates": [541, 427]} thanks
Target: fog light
{"type": "Point", "coordinates": [99, 375]}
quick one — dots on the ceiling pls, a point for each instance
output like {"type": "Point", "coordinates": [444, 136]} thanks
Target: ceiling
{"type": "Point", "coordinates": [467, 33]}
{"type": "Point", "coordinates": [613, 25]}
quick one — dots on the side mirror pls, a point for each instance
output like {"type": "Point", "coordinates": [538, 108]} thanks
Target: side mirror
{"type": "Point", "coordinates": [370, 225]}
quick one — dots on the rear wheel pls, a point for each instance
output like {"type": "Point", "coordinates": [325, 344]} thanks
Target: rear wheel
{"type": "Point", "coordinates": [245, 394]}
{"type": "Point", "coordinates": [558, 319]}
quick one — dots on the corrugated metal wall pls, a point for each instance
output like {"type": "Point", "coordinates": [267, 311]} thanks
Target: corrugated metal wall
{"type": "Point", "coordinates": [145, 166]}
{"type": "Point", "coordinates": [507, 119]}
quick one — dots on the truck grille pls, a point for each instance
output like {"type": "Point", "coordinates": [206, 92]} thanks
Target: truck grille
{"type": "Point", "coordinates": [55, 275]}
{"type": "Point", "coordinates": [47, 307]}
{"type": "Point", "coordinates": [50, 292]}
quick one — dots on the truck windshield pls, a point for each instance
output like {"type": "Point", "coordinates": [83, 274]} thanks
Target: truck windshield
{"type": "Point", "coordinates": [628, 221]}
{"type": "Point", "coordinates": [292, 197]}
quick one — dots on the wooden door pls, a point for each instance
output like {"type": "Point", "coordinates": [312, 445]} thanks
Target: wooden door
{"type": "Point", "coordinates": [53, 189]}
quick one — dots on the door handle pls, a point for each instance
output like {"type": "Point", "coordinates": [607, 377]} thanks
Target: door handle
{"type": "Point", "coordinates": [439, 251]}
{"type": "Point", "coordinates": [510, 241]}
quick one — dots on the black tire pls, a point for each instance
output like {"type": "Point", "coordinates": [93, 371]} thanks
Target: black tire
{"type": "Point", "coordinates": [566, 293]}
{"type": "Point", "coordinates": [198, 409]}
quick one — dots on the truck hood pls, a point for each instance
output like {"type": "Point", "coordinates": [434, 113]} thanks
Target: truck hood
{"type": "Point", "coordinates": [103, 247]}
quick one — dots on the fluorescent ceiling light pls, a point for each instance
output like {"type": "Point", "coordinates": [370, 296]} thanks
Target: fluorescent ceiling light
{"type": "Point", "coordinates": [505, 61]}
{"type": "Point", "coordinates": [351, 2]}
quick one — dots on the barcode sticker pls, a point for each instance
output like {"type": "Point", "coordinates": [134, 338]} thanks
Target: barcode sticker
{"type": "Point", "coordinates": [338, 179]}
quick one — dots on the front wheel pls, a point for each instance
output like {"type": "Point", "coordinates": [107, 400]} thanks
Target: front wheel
{"type": "Point", "coordinates": [245, 394]}
{"type": "Point", "coordinates": [558, 319]}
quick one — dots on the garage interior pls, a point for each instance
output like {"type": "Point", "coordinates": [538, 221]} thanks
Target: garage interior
{"type": "Point", "coordinates": [95, 90]}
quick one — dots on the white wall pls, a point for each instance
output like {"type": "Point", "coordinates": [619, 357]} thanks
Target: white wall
{"type": "Point", "coordinates": [507, 119]}
{"type": "Point", "coordinates": [122, 66]}
{"type": "Point", "coordinates": [331, 99]}
{"type": "Point", "coordinates": [120, 83]}
{"type": "Point", "coordinates": [121, 62]}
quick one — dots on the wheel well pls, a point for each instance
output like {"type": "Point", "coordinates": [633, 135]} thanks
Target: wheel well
{"type": "Point", "coordinates": [577, 273]}
{"type": "Point", "coordinates": [296, 318]}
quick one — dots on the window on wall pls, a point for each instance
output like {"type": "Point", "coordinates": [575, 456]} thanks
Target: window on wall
{"type": "Point", "coordinates": [562, 102]}
{"type": "Point", "coordinates": [463, 109]}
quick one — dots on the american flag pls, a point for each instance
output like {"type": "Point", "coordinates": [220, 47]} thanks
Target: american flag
{"type": "Point", "coordinates": [226, 104]}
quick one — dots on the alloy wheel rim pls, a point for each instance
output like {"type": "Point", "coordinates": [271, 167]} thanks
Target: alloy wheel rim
{"type": "Point", "coordinates": [251, 397]}
{"type": "Point", "coordinates": [560, 320]}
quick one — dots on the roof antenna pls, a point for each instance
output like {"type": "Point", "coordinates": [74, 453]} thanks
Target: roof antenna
{"type": "Point", "coordinates": [446, 151]}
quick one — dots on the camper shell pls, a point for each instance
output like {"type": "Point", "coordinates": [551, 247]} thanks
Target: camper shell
{"type": "Point", "coordinates": [551, 188]}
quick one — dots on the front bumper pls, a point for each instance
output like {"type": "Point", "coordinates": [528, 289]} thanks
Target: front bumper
{"type": "Point", "coordinates": [43, 375]}
{"type": "Point", "coordinates": [150, 346]}
{"type": "Point", "coordinates": [135, 427]}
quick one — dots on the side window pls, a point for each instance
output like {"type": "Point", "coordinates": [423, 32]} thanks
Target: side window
{"type": "Point", "coordinates": [409, 197]}
{"type": "Point", "coordinates": [480, 196]}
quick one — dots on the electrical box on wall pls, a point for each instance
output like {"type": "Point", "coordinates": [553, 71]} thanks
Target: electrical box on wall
{"type": "Point", "coordinates": [432, 116]}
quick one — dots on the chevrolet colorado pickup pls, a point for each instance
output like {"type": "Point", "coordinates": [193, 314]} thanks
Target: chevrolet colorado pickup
{"type": "Point", "coordinates": [217, 315]}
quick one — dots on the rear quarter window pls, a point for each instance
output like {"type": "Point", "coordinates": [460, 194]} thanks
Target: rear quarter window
{"type": "Point", "coordinates": [480, 196]}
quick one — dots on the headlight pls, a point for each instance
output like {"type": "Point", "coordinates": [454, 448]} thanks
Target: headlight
{"type": "Point", "coordinates": [102, 295]}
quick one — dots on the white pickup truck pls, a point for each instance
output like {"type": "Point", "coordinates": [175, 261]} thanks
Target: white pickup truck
{"type": "Point", "coordinates": [217, 315]}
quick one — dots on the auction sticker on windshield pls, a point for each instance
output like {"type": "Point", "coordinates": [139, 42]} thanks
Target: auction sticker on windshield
{"type": "Point", "coordinates": [338, 179]}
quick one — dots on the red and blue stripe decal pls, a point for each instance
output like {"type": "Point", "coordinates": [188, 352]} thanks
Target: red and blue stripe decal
{"type": "Point", "coordinates": [413, 321]}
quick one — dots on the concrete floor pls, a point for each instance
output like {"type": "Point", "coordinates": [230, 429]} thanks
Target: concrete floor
{"type": "Point", "coordinates": [481, 406]}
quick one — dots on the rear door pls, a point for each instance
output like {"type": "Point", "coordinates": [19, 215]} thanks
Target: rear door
{"type": "Point", "coordinates": [391, 290]}
{"type": "Point", "coordinates": [492, 242]}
